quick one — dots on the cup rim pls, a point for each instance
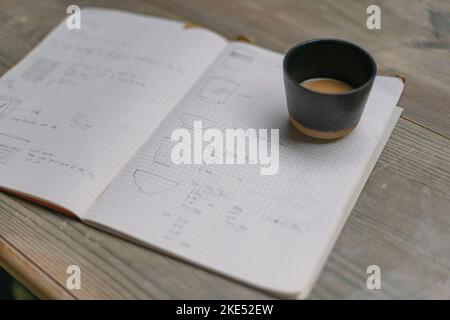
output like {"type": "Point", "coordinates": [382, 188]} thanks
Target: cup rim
{"type": "Point", "coordinates": [348, 43]}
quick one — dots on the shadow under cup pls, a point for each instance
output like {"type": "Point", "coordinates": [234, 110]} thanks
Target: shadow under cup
{"type": "Point", "coordinates": [323, 115]}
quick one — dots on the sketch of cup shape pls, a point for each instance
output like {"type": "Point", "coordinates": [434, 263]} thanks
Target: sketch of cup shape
{"type": "Point", "coordinates": [7, 106]}
{"type": "Point", "coordinates": [218, 90]}
{"type": "Point", "coordinates": [239, 59]}
{"type": "Point", "coordinates": [10, 146]}
{"type": "Point", "coordinates": [150, 183]}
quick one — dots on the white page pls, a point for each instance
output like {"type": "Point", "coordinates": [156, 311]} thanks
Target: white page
{"type": "Point", "coordinates": [269, 231]}
{"type": "Point", "coordinates": [75, 110]}
{"type": "Point", "coordinates": [333, 235]}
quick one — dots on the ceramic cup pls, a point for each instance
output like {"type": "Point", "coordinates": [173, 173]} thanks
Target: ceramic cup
{"type": "Point", "coordinates": [325, 115]}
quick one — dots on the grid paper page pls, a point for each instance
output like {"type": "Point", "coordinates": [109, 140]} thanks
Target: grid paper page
{"type": "Point", "coordinates": [77, 108]}
{"type": "Point", "coordinates": [268, 231]}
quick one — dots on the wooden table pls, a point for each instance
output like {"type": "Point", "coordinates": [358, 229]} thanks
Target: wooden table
{"type": "Point", "coordinates": [401, 221]}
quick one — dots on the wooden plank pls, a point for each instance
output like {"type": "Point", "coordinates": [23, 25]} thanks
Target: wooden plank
{"type": "Point", "coordinates": [400, 222]}
{"type": "Point", "coordinates": [414, 40]}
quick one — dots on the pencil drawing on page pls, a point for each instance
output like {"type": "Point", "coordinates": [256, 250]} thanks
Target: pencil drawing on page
{"type": "Point", "coordinates": [45, 158]}
{"type": "Point", "coordinates": [151, 183]}
{"type": "Point", "coordinates": [10, 146]}
{"type": "Point", "coordinates": [187, 119]}
{"type": "Point", "coordinates": [78, 121]}
{"type": "Point", "coordinates": [7, 106]}
{"type": "Point", "coordinates": [162, 154]}
{"type": "Point", "coordinates": [239, 59]}
{"type": "Point", "coordinates": [218, 90]}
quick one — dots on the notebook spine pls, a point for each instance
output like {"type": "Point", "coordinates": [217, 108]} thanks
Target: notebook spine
{"type": "Point", "coordinates": [242, 37]}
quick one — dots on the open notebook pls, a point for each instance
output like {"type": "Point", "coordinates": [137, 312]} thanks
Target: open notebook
{"type": "Point", "coordinates": [85, 126]}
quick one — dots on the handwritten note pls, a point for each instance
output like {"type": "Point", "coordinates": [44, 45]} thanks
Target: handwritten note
{"type": "Point", "coordinates": [84, 101]}
{"type": "Point", "coordinates": [270, 231]}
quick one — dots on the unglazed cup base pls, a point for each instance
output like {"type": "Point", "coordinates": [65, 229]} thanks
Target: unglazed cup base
{"type": "Point", "coordinates": [329, 135]}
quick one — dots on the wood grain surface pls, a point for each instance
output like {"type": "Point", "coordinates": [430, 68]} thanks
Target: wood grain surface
{"type": "Point", "coordinates": [401, 221]}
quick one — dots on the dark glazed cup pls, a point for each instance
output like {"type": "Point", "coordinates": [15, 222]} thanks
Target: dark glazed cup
{"type": "Point", "coordinates": [322, 115]}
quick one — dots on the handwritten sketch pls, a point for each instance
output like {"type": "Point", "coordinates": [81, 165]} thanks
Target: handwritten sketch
{"type": "Point", "coordinates": [89, 38]}
{"type": "Point", "coordinates": [89, 45]}
{"type": "Point", "coordinates": [284, 223]}
{"type": "Point", "coordinates": [218, 90]}
{"type": "Point", "coordinates": [205, 194]}
{"type": "Point", "coordinates": [235, 219]}
{"type": "Point", "coordinates": [150, 183]}
{"type": "Point", "coordinates": [162, 154]}
{"type": "Point", "coordinates": [239, 59]}
{"type": "Point", "coordinates": [7, 106]}
{"type": "Point", "coordinates": [35, 122]}
{"type": "Point", "coordinates": [40, 70]}
{"type": "Point", "coordinates": [187, 121]}
{"type": "Point", "coordinates": [270, 65]}
{"type": "Point", "coordinates": [40, 156]}
{"type": "Point", "coordinates": [157, 63]}
{"type": "Point", "coordinates": [37, 111]}
{"type": "Point", "coordinates": [292, 224]}
{"type": "Point", "coordinates": [76, 74]}
{"type": "Point", "coordinates": [78, 121]}
{"type": "Point", "coordinates": [177, 226]}
{"type": "Point", "coordinates": [10, 146]}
